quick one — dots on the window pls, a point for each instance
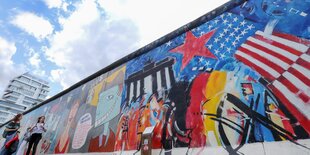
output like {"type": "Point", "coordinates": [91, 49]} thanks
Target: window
{"type": "Point", "coordinates": [21, 85]}
{"type": "Point", "coordinates": [3, 108]}
{"type": "Point", "coordinates": [24, 79]}
{"type": "Point", "coordinates": [26, 92]}
{"type": "Point", "coordinates": [27, 103]}
{"type": "Point", "coordinates": [33, 88]}
{"type": "Point", "coordinates": [36, 83]}
{"type": "Point", "coordinates": [30, 99]}
{"type": "Point", "coordinates": [15, 93]}
{"type": "Point", "coordinates": [12, 98]}
{"type": "Point", "coordinates": [42, 96]}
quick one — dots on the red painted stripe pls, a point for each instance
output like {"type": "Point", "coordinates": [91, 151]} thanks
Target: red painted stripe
{"type": "Point", "coordinates": [263, 60]}
{"type": "Point", "coordinates": [289, 85]}
{"type": "Point", "coordinates": [286, 123]}
{"type": "Point", "coordinates": [292, 38]}
{"type": "Point", "coordinates": [304, 97]}
{"type": "Point", "coordinates": [299, 75]}
{"type": "Point", "coordinates": [303, 63]}
{"type": "Point", "coordinates": [231, 112]}
{"type": "Point", "coordinates": [262, 48]}
{"type": "Point", "coordinates": [278, 44]}
{"type": "Point", "coordinates": [304, 122]}
{"type": "Point", "coordinates": [261, 71]}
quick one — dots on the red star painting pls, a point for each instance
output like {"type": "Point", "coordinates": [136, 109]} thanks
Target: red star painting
{"type": "Point", "coordinates": [194, 46]}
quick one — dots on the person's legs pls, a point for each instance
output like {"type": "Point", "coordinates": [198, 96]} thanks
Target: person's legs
{"type": "Point", "coordinates": [9, 153]}
{"type": "Point", "coordinates": [36, 142]}
{"type": "Point", "coordinates": [31, 141]}
{"type": "Point", "coordinates": [5, 151]}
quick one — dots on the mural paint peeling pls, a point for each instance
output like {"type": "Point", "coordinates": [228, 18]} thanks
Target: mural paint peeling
{"type": "Point", "coordinates": [242, 77]}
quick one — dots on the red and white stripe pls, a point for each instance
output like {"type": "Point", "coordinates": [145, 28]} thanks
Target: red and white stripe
{"type": "Point", "coordinates": [284, 61]}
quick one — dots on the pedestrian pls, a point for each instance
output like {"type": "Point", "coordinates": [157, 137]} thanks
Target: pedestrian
{"type": "Point", "coordinates": [10, 132]}
{"type": "Point", "coordinates": [36, 135]}
{"type": "Point", "coordinates": [26, 138]}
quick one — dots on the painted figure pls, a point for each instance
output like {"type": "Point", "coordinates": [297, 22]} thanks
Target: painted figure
{"type": "Point", "coordinates": [63, 142]}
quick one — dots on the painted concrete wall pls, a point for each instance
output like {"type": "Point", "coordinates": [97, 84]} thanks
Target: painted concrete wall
{"type": "Point", "coordinates": [238, 79]}
{"type": "Point", "coordinates": [260, 148]}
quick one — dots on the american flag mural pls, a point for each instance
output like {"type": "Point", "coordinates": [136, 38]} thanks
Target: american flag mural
{"type": "Point", "coordinates": [236, 76]}
{"type": "Point", "coordinates": [284, 61]}
{"type": "Point", "coordinates": [231, 31]}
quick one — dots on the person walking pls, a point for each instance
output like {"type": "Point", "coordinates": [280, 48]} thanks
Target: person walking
{"type": "Point", "coordinates": [9, 133]}
{"type": "Point", "coordinates": [36, 136]}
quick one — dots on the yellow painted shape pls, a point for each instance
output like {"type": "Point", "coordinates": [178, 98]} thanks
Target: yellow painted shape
{"type": "Point", "coordinates": [275, 118]}
{"type": "Point", "coordinates": [111, 77]}
{"type": "Point", "coordinates": [97, 89]}
{"type": "Point", "coordinates": [213, 92]}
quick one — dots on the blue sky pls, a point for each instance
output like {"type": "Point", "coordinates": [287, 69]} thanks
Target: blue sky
{"type": "Point", "coordinates": [64, 41]}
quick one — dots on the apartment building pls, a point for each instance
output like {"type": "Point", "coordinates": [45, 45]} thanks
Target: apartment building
{"type": "Point", "coordinates": [22, 93]}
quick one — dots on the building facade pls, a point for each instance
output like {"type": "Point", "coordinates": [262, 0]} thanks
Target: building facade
{"type": "Point", "coordinates": [22, 93]}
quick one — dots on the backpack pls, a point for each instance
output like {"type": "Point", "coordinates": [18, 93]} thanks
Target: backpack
{"type": "Point", "coordinates": [5, 134]}
{"type": "Point", "coordinates": [27, 136]}
{"type": "Point", "coordinates": [11, 125]}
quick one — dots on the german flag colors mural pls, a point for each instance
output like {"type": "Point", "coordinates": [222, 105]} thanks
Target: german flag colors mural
{"type": "Point", "coordinates": [241, 77]}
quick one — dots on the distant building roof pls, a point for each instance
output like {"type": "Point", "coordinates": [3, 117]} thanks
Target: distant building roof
{"type": "Point", "coordinates": [36, 78]}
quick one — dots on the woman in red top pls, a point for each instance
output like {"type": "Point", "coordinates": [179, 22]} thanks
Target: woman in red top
{"type": "Point", "coordinates": [9, 131]}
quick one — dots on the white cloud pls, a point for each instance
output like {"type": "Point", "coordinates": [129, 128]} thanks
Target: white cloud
{"type": "Point", "coordinates": [39, 72]}
{"type": "Point", "coordinates": [88, 42]}
{"type": "Point", "coordinates": [56, 77]}
{"type": "Point", "coordinates": [34, 25]}
{"type": "Point", "coordinates": [36, 63]}
{"type": "Point", "coordinates": [7, 67]}
{"type": "Point", "coordinates": [58, 4]}
{"type": "Point", "coordinates": [159, 17]}
{"type": "Point", "coordinates": [35, 60]}
{"type": "Point", "coordinates": [53, 3]}
{"type": "Point", "coordinates": [65, 6]}
{"type": "Point", "coordinates": [8, 49]}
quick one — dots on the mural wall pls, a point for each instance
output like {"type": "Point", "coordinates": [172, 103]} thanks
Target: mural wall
{"type": "Point", "coordinates": [240, 78]}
